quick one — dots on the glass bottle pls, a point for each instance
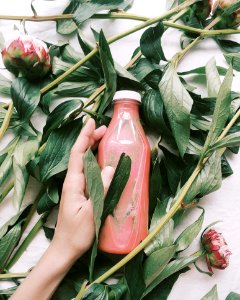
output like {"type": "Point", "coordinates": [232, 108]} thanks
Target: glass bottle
{"type": "Point", "coordinates": [128, 225]}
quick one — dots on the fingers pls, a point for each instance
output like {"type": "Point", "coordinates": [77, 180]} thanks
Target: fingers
{"type": "Point", "coordinates": [87, 138]}
{"type": "Point", "coordinates": [107, 176]}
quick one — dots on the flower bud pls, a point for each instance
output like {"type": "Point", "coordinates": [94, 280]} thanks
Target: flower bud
{"type": "Point", "coordinates": [28, 56]}
{"type": "Point", "coordinates": [217, 250]}
{"type": "Point", "coordinates": [229, 21]}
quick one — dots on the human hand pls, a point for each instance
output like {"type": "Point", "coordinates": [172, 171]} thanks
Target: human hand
{"type": "Point", "coordinates": [75, 228]}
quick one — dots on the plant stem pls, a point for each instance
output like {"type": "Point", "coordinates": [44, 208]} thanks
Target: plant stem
{"type": "Point", "coordinates": [175, 207]}
{"type": "Point", "coordinates": [6, 120]}
{"type": "Point", "coordinates": [27, 240]}
{"type": "Point", "coordinates": [112, 15]}
{"type": "Point", "coordinates": [8, 188]}
{"type": "Point", "coordinates": [82, 290]}
{"type": "Point", "coordinates": [178, 56]}
{"type": "Point", "coordinates": [204, 32]}
{"type": "Point", "coordinates": [13, 275]}
{"type": "Point", "coordinates": [230, 124]}
{"type": "Point", "coordinates": [114, 39]}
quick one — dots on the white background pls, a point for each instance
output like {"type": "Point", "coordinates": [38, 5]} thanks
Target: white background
{"type": "Point", "coordinates": [221, 205]}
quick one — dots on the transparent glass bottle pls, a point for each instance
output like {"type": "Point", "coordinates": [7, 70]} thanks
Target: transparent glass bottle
{"type": "Point", "coordinates": [128, 225]}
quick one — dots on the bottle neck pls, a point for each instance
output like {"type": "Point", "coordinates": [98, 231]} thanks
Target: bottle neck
{"type": "Point", "coordinates": [126, 109]}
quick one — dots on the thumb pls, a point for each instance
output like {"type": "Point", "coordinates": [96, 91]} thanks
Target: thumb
{"type": "Point", "coordinates": [107, 176]}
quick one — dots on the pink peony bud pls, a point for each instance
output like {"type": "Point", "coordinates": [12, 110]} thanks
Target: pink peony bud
{"type": "Point", "coordinates": [232, 20]}
{"type": "Point", "coordinates": [217, 250]}
{"type": "Point", "coordinates": [28, 56]}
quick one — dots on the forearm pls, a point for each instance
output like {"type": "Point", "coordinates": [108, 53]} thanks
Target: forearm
{"type": "Point", "coordinates": [45, 277]}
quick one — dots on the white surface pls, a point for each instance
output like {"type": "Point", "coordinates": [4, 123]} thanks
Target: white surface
{"type": "Point", "coordinates": [221, 205]}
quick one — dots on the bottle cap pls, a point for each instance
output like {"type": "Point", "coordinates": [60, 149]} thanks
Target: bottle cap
{"type": "Point", "coordinates": [126, 94]}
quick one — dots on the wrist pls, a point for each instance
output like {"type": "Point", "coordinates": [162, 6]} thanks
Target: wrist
{"type": "Point", "coordinates": [65, 254]}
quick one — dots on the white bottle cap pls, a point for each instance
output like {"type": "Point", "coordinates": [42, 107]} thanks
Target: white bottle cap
{"type": "Point", "coordinates": [126, 94]}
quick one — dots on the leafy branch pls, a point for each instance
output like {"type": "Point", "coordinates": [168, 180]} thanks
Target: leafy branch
{"type": "Point", "coordinates": [172, 211]}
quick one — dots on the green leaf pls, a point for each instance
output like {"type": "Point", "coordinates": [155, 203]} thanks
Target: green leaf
{"type": "Point", "coordinates": [59, 114]}
{"type": "Point", "coordinates": [86, 9]}
{"type": "Point", "coordinates": [174, 167]}
{"type": "Point", "coordinates": [76, 89]}
{"type": "Point", "coordinates": [5, 168]}
{"type": "Point", "coordinates": [171, 268]}
{"type": "Point", "coordinates": [199, 123]}
{"type": "Point", "coordinates": [225, 167]}
{"type": "Point", "coordinates": [156, 262]}
{"type": "Point", "coordinates": [143, 68]}
{"type": "Point", "coordinates": [134, 277]}
{"type": "Point", "coordinates": [25, 97]}
{"type": "Point", "coordinates": [117, 290]}
{"type": "Point", "coordinates": [165, 236]}
{"type": "Point", "coordinates": [25, 151]}
{"type": "Point", "coordinates": [231, 140]}
{"type": "Point", "coordinates": [117, 185]}
{"type": "Point", "coordinates": [150, 43]}
{"type": "Point", "coordinates": [233, 296]}
{"type": "Point", "coordinates": [97, 292]}
{"type": "Point", "coordinates": [211, 295]}
{"type": "Point", "coordinates": [94, 186]}
{"type": "Point", "coordinates": [109, 71]}
{"type": "Point", "coordinates": [221, 111]}
{"type": "Point", "coordinates": [178, 104]}
{"type": "Point", "coordinates": [233, 59]}
{"type": "Point", "coordinates": [5, 85]}
{"type": "Point", "coordinates": [70, 55]}
{"type": "Point", "coordinates": [115, 190]}
{"type": "Point", "coordinates": [81, 74]}
{"type": "Point", "coordinates": [163, 290]}
{"type": "Point", "coordinates": [21, 177]}
{"type": "Point", "coordinates": [228, 45]}
{"type": "Point", "coordinates": [8, 243]}
{"type": "Point", "coordinates": [68, 26]}
{"type": "Point", "coordinates": [49, 232]}
{"type": "Point", "coordinates": [213, 78]}
{"type": "Point", "coordinates": [155, 185]}
{"type": "Point", "coordinates": [208, 180]}
{"type": "Point", "coordinates": [8, 291]}
{"type": "Point", "coordinates": [49, 199]}
{"type": "Point", "coordinates": [186, 238]}
{"type": "Point", "coordinates": [202, 71]}
{"type": "Point", "coordinates": [153, 111]}
{"type": "Point", "coordinates": [18, 218]}
{"type": "Point", "coordinates": [55, 156]}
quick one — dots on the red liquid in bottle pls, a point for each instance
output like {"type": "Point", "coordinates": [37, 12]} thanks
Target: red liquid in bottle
{"type": "Point", "coordinates": [128, 226]}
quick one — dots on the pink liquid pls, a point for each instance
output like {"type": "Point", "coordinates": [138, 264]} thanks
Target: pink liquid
{"type": "Point", "coordinates": [128, 226]}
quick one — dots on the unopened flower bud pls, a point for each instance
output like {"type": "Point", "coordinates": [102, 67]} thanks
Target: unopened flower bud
{"type": "Point", "coordinates": [217, 250]}
{"type": "Point", "coordinates": [28, 56]}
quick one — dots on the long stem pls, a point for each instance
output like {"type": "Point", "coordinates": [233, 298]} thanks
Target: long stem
{"type": "Point", "coordinates": [114, 39]}
{"type": "Point", "coordinates": [27, 240]}
{"type": "Point", "coordinates": [178, 56]}
{"type": "Point", "coordinates": [112, 15]}
{"type": "Point", "coordinates": [175, 207]}
{"type": "Point", "coordinates": [6, 120]}
{"type": "Point", "coordinates": [205, 32]}
{"type": "Point", "coordinates": [13, 275]}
